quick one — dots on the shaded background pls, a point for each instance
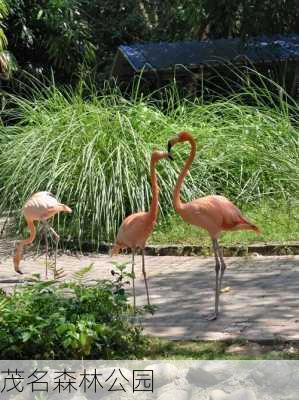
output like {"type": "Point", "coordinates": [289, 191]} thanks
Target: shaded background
{"type": "Point", "coordinates": [67, 38]}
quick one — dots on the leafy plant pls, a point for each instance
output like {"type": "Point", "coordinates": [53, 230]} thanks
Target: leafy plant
{"type": "Point", "coordinates": [3, 14]}
{"type": "Point", "coordinates": [53, 320]}
{"type": "Point", "coordinates": [50, 36]}
{"type": "Point", "coordinates": [82, 275]}
{"type": "Point", "coordinates": [7, 60]}
{"type": "Point", "coordinates": [120, 276]}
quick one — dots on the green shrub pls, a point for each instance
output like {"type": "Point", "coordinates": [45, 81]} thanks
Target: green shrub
{"type": "Point", "coordinates": [50, 37]}
{"type": "Point", "coordinates": [52, 320]}
{"type": "Point", "coordinates": [94, 155]}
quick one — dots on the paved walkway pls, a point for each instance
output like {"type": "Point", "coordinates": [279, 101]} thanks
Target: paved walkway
{"type": "Point", "coordinates": [263, 302]}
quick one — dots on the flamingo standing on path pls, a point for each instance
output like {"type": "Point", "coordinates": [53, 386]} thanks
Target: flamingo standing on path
{"type": "Point", "coordinates": [40, 207]}
{"type": "Point", "coordinates": [213, 213]}
{"type": "Point", "coordinates": [136, 228]}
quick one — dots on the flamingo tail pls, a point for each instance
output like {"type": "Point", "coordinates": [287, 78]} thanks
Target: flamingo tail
{"type": "Point", "coordinates": [251, 226]}
{"type": "Point", "coordinates": [65, 208]}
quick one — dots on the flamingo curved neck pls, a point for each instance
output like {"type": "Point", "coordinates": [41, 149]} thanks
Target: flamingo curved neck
{"type": "Point", "coordinates": [22, 243]}
{"type": "Point", "coordinates": [177, 204]}
{"type": "Point", "coordinates": [32, 231]}
{"type": "Point", "coordinates": [153, 212]}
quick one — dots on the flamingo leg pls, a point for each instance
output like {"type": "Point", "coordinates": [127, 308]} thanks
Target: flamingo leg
{"type": "Point", "coordinates": [222, 267]}
{"type": "Point", "coordinates": [55, 234]}
{"type": "Point", "coordinates": [133, 281]}
{"type": "Point", "coordinates": [217, 281]}
{"type": "Point", "coordinates": [217, 288]}
{"type": "Point", "coordinates": [55, 257]}
{"type": "Point", "coordinates": [145, 278]}
{"type": "Point", "coordinates": [217, 269]}
{"type": "Point", "coordinates": [47, 246]}
{"type": "Point", "coordinates": [56, 237]}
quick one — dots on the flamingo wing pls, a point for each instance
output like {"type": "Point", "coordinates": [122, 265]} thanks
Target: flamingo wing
{"type": "Point", "coordinates": [215, 214]}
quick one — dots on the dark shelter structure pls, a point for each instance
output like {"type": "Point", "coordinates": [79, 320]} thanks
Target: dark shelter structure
{"type": "Point", "coordinates": [197, 61]}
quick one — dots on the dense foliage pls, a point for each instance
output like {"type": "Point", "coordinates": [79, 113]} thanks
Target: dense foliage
{"type": "Point", "coordinates": [50, 37]}
{"type": "Point", "coordinates": [7, 62]}
{"type": "Point", "coordinates": [52, 320]}
{"type": "Point", "coordinates": [94, 155]}
{"type": "Point", "coordinates": [62, 36]}
{"type": "Point", "coordinates": [3, 14]}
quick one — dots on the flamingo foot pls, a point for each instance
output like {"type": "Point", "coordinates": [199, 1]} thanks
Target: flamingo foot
{"type": "Point", "coordinates": [211, 317]}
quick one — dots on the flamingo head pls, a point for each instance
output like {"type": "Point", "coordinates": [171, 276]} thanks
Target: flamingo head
{"type": "Point", "coordinates": [183, 136]}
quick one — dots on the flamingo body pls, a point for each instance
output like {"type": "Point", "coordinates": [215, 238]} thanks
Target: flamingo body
{"type": "Point", "coordinates": [215, 214]}
{"type": "Point", "coordinates": [39, 207]}
{"type": "Point", "coordinates": [134, 231]}
{"type": "Point", "coordinates": [42, 206]}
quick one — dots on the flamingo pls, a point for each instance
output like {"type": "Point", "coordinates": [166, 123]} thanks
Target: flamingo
{"type": "Point", "coordinates": [39, 207]}
{"type": "Point", "coordinates": [136, 228]}
{"type": "Point", "coordinates": [213, 213]}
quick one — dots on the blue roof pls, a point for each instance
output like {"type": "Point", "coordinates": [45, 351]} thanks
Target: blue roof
{"type": "Point", "coordinates": [165, 55]}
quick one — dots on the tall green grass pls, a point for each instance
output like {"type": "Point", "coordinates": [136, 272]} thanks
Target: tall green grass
{"type": "Point", "coordinates": [94, 154]}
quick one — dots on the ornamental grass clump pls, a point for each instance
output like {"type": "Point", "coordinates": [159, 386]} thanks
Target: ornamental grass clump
{"type": "Point", "coordinates": [94, 154]}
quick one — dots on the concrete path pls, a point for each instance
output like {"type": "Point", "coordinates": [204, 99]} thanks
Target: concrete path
{"type": "Point", "coordinates": [263, 303]}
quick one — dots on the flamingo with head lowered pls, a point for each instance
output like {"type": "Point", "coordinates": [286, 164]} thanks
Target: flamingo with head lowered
{"type": "Point", "coordinates": [39, 207]}
{"type": "Point", "coordinates": [136, 228]}
{"type": "Point", "coordinates": [213, 213]}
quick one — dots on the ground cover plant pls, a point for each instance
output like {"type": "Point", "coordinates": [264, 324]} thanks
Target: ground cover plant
{"type": "Point", "coordinates": [59, 320]}
{"type": "Point", "coordinates": [94, 155]}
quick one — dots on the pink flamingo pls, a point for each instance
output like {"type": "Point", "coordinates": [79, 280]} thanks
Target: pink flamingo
{"type": "Point", "coordinates": [40, 207]}
{"type": "Point", "coordinates": [136, 228]}
{"type": "Point", "coordinates": [213, 213]}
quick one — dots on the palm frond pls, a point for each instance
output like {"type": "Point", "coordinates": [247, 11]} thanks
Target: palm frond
{"type": "Point", "coordinates": [83, 274]}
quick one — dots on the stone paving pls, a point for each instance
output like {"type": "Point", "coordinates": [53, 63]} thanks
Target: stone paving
{"type": "Point", "coordinates": [262, 303]}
